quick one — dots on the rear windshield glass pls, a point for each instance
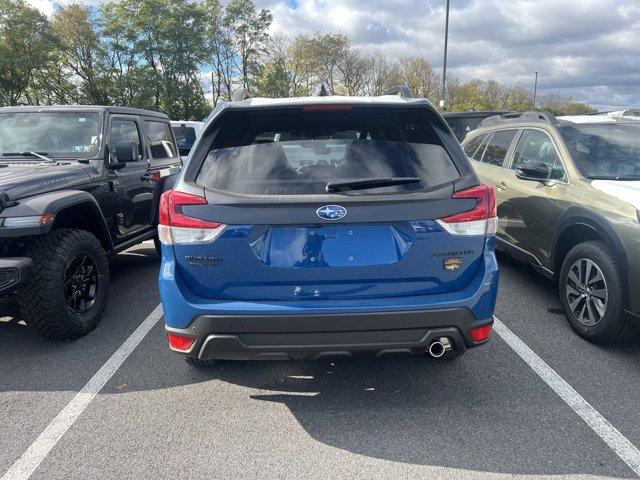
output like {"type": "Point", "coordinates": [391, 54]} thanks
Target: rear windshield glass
{"type": "Point", "coordinates": [463, 125]}
{"type": "Point", "coordinates": [608, 150]}
{"type": "Point", "coordinates": [297, 152]}
{"type": "Point", "coordinates": [185, 137]}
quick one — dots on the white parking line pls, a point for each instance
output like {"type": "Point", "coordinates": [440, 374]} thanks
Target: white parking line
{"type": "Point", "coordinates": [626, 450]}
{"type": "Point", "coordinates": [24, 467]}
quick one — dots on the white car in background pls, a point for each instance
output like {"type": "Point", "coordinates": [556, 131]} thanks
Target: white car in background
{"type": "Point", "coordinates": [630, 114]}
{"type": "Point", "coordinates": [186, 133]}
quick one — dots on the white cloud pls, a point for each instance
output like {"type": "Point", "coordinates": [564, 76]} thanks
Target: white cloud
{"type": "Point", "coordinates": [589, 49]}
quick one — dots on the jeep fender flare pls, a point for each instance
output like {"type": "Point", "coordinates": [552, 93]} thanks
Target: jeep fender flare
{"type": "Point", "coordinates": [55, 202]}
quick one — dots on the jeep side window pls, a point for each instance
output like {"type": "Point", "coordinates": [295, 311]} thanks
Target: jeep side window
{"type": "Point", "coordinates": [124, 131]}
{"type": "Point", "coordinates": [497, 147]}
{"type": "Point", "coordinates": [537, 147]}
{"type": "Point", "coordinates": [160, 139]}
{"type": "Point", "coordinates": [472, 148]}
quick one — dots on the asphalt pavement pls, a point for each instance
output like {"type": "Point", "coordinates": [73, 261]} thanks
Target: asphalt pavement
{"type": "Point", "coordinates": [487, 414]}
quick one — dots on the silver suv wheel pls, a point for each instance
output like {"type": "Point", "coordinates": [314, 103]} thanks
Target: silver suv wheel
{"type": "Point", "coordinates": [586, 290]}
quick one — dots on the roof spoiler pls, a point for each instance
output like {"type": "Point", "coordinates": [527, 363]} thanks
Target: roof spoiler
{"type": "Point", "coordinates": [545, 117]}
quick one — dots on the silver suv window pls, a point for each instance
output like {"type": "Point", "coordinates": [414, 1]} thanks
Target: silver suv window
{"type": "Point", "coordinates": [535, 146]}
{"type": "Point", "coordinates": [498, 146]}
{"type": "Point", "coordinates": [472, 149]}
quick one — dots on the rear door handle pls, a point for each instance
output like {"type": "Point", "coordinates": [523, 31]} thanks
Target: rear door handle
{"type": "Point", "coordinates": [501, 186]}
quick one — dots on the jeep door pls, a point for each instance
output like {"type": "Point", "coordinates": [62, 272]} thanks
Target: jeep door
{"type": "Point", "coordinates": [530, 209]}
{"type": "Point", "coordinates": [130, 183]}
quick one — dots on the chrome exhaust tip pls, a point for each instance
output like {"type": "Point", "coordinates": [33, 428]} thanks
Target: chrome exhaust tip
{"type": "Point", "coordinates": [439, 347]}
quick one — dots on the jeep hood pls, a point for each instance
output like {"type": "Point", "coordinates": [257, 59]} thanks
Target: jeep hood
{"type": "Point", "coordinates": [24, 179]}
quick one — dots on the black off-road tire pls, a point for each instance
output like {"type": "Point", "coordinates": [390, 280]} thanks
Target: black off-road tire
{"type": "Point", "coordinates": [42, 301]}
{"type": "Point", "coordinates": [196, 362]}
{"type": "Point", "coordinates": [614, 326]}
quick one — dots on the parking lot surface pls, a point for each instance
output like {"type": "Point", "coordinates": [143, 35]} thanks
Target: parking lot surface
{"type": "Point", "coordinates": [487, 414]}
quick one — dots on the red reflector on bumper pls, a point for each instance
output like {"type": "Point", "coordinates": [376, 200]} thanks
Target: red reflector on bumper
{"type": "Point", "coordinates": [179, 343]}
{"type": "Point", "coordinates": [480, 334]}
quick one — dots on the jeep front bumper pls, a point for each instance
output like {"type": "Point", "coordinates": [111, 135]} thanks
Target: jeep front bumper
{"type": "Point", "coordinates": [14, 272]}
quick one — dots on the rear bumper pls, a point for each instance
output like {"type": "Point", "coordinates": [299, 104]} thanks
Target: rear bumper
{"type": "Point", "coordinates": [225, 329]}
{"type": "Point", "coordinates": [14, 272]}
{"type": "Point", "coordinates": [296, 337]}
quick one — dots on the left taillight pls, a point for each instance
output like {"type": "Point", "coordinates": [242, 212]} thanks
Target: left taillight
{"type": "Point", "coordinates": [177, 228]}
{"type": "Point", "coordinates": [480, 220]}
{"type": "Point", "coordinates": [180, 343]}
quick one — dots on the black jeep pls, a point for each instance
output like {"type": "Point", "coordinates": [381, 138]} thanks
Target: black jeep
{"type": "Point", "coordinates": [77, 184]}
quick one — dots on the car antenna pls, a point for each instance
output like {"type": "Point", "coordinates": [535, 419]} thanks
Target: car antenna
{"type": "Point", "coordinates": [323, 91]}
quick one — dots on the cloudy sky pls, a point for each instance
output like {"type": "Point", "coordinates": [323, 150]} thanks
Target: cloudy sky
{"type": "Point", "coordinates": [589, 49]}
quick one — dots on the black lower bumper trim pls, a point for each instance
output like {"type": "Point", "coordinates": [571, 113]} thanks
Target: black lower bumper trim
{"type": "Point", "coordinates": [14, 272]}
{"type": "Point", "coordinates": [280, 337]}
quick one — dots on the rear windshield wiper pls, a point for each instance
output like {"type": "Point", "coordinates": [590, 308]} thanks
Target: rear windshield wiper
{"type": "Point", "coordinates": [365, 183]}
{"type": "Point", "coordinates": [40, 155]}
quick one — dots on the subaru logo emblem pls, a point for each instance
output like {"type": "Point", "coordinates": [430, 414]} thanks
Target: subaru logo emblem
{"type": "Point", "coordinates": [331, 212]}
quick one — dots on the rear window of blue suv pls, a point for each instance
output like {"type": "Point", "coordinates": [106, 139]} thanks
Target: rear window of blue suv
{"type": "Point", "coordinates": [309, 152]}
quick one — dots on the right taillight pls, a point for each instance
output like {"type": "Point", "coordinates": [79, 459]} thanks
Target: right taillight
{"type": "Point", "coordinates": [480, 334]}
{"type": "Point", "coordinates": [480, 220]}
{"type": "Point", "coordinates": [177, 228]}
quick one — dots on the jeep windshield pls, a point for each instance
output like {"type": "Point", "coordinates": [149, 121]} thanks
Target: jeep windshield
{"type": "Point", "coordinates": [608, 151]}
{"type": "Point", "coordinates": [317, 152]}
{"type": "Point", "coordinates": [50, 134]}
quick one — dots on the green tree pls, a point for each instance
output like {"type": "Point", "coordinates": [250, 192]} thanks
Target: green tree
{"type": "Point", "coordinates": [561, 105]}
{"type": "Point", "coordinates": [158, 46]}
{"type": "Point", "coordinates": [82, 51]}
{"type": "Point", "coordinates": [325, 53]}
{"type": "Point", "coordinates": [518, 98]}
{"type": "Point", "coordinates": [27, 46]}
{"type": "Point", "coordinates": [250, 35]}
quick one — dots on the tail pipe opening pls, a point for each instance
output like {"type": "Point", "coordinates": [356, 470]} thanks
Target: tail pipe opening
{"type": "Point", "coordinates": [440, 347]}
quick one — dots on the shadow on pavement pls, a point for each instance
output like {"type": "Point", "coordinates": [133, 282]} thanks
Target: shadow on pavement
{"type": "Point", "coordinates": [482, 412]}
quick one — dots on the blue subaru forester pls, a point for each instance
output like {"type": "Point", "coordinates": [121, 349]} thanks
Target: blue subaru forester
{"type": "Point", "coordinates": [327, 226]}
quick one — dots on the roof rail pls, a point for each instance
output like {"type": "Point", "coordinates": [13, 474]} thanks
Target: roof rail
{"type": "Point", "coordinates": [400, 91]}
{"type": "Point", "coordinates": [241, 94]}
{"type": "Point", "coordinates": [519, 117]}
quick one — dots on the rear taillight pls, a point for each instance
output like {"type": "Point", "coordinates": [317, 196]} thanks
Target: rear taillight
{"type": "Point", "coordinates": [175, 227]}
{"type": "Point", "coordinates": [480, 220]}
{"type": "Point", "coordinates": [180, 343]}
{"type": "Point", "coordinates": [480, 334]}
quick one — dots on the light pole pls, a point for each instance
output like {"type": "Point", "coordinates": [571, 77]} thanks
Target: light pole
{"type": "Point", "coordinates": [444, 65]}
{"type": "Point", "coordinates": [535, 91]}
